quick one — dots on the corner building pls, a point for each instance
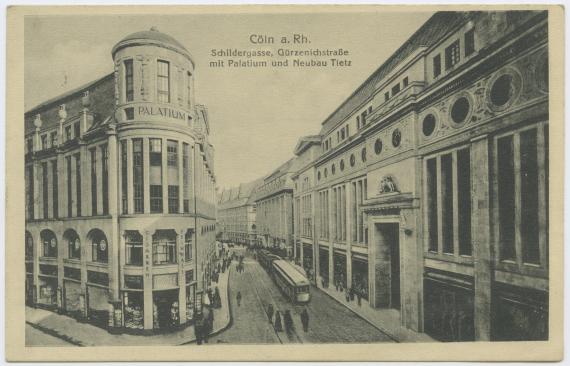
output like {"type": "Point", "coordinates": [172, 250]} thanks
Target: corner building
{"type": "Point", "coordinates": [120, 193]}
{"type": "Point", "coordinates": [431, 188]}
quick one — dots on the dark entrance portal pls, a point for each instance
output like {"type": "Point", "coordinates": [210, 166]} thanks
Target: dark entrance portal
{"type": "Point", "coordinates": [166, 303]}
{"type": "Point", "coordinates": [387, 266]}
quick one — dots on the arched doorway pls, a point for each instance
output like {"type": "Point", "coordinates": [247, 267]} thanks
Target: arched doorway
{"type": "Point", "coordinates": [98, 281]}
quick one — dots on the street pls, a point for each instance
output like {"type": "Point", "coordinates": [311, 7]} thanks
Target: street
{"type": "Point", "coordinates": [329, 321]}
{"type": "Point", "coordinates": [35, 337]}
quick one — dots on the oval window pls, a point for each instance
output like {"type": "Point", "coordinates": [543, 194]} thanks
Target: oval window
{"type": "Point", "coordinates": [428, 125]}
{"type": "Point", "coordinates": [363, 154]}
{"type": "Point", "coordinates": [352, 160]}
{"type": "Point", "coordinates": [319, 175]}
{"type": "Point", "coordinates": [460, 110]}
{"type": "Point", "coordinates": [378, 146]}
{"type": "Point", "coordinates": [333, 170]}
{"type": "Point", "coordinates": [502, 90]}
{"type": "Point", "coordinates": [326, 172]}
{"type": "Point", "coordinates": [396, 137]}
{"type": "Point", "coordinates": [341, 165]}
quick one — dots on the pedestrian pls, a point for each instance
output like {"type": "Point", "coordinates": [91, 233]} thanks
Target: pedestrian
{"type": "Point", "coordinates": [336, 284]}
{"type": "Point", "coordinates": [305, 320]}
{"type": "Point", "coordinates": [278, 326]}
{"type": "Point", "coordinates": [358, 298]}
{"type": "Point", "coordinates": [198, 332]}
{"type": "Point", "coordinates": [347, 296]}
{"type": "Point", "coordinates": [238, 298]}
{"type": "Point", "coordinates": [217, 298]}
{"type": "Point", "coordinates": [288, 320]}
{"type": "Point", "coordinates": [210, 297]}
{"type": "Point", "coordinates": [270, 312]}
{"type": "Point", "coordinates": [351, 292]}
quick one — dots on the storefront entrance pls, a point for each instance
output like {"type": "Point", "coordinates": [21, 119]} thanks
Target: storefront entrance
{"type": "Point", "coordinates": [387, 266]}
{"type": "Point", "coordinates": [166, 312]}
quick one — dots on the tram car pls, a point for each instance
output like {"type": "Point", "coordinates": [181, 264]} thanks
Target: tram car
{"type": "Point", "coordinates": [291, 282]}
{"type": "Point", "coordinates": [266, 259]}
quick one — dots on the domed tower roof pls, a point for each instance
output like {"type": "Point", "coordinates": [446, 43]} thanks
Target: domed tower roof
{"type": "Point", "coordinates": [154, 37]}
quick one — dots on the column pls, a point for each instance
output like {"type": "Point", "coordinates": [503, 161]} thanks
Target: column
{"type": "Point", "coordinates": [36, 193]}
{"type": "Point", "coordinates": [86, 181]}
{"type": "Point", "coordinates": [61, 184]}
{"type": "Point", "coordinates": [330, 236]}
{"type": "Point", "coordinates": [180, 181]}
{"type": "Point", "coordinates": [147, 280]}
{"type": "Point", "coordinates": [73, 179]}
{"type": "Point", "coordinates": [85, 255]}
{"type": "Point", "coordinates": [99, 175]}
{"type": "Point", "coordinates": [49, 198]}
{"type": "Point", "coordinates": [113, 212]}
{"type": "Point", "coordinates": [348, 230]}
{"type": "Point", "coordinates": [481, 237]}
{"type": "Point", "coordinates": [295, 226]}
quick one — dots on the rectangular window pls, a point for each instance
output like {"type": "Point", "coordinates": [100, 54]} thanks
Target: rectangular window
{"type": "Point", "coordinates": [93, 181]}
{"type": "Point", "coordinates": [172, 153]}
{"type": "Point", "coordinates": [173, 199]}
{"type": "Point", "coordinates": [155, 198]}
{"type": "Point", "coordinates": [506, 192]}
{"type": "Point", "coordinates": [432, 204]}
{"type": "Point", "coordinates": [78, 182]}
{"type": "Point", "coordinates": [29, 145]}
{"type": "Point", "coordinates": [357, 121]}
{"type": "Point", "coordinates": [124, 180]}
{"type": "Point", "coordinates": [55, 188]}
{"type": "Point", "coordinates": [464, 201]}
{"type": "Point", "coordinates": [405, 82]}
{"type": "Point", "coordinates": [164, 250]}
{"type": "Point", "coordinates": [138, 179]}
{"type": "Point", "coordinates": [105, 177]}
{"type": "Point", "coordinates": [44, 140]}
{"type": "Point", "coordinates": [134, 250]}
{"type": "Point", "coordinates": [155, 153]}
{"type": "Point", "coordinates": [447, 202]}
{"type": "Point", "coordinates": [45, 199]}
{"type": "Point", "coordinates": [69, 198]}
{"type": "Point", "coordinates": [53, 138]}
{"type": "Point", "coordinates": [68, 136]}
{"type": "Point", "coordinates": [363, 117]}
{"type": "Point", "coordinates": [469, 42]}
{"type": "Point", "coordinates": [129, 114]}
{"type": "Point", "coordinates": [129, 88]}
{"type": "Point", "coordinates": [436, 66]}
{"type": "Point", "coordinates": [396, 89]}
{"type": "Point", "coordinates": [452, 55]}
{"type": "Point", "coordinates": [163, 81]}
{"type": "Point", "coordinates": [529, 196]}
{"type": "Point", "coordinates": [76, 130]}
{"type": "Point", "coordinates": [386, 96]}
{"type": "Point", "coordinates": [188, 246]}
{"type": "Point", "coordinates": [185, 178]}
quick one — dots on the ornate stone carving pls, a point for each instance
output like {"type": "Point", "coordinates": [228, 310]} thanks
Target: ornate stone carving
{"type": "Point", "coordinates": [388, 185]}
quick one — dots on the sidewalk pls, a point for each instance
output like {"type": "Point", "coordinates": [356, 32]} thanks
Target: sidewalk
{"type": "Point", "coordinates": [84, 334]}
{"type": "Point", "coordinates": [386, 320]}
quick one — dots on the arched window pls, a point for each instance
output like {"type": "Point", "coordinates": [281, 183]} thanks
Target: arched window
{"type": "Point", "coordinates": [133, 248]}
{"type": "Point", "coordinates": [164, 247]}
{"type": "Point", "coordinates": [73, 244]}
{"type": "Point", "coordinates": [99, 246]}
{"type": "Point", "coordinates": [49, 244]}
{"type": "Point", "coordinates": [29, 246]}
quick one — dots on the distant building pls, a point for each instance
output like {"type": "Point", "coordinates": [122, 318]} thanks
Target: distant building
{"type": "Point", "coordinates": [274, 201]}
{"type": "Point", "coordinates": [430, 196]}
{"type": "Point", "coordinates": [120, 193]}
{"type": "Point", "coordinates": [237, 214]}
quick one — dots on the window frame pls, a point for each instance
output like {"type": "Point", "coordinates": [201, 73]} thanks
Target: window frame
{"type": "Point", "coordinates": [160, 77]}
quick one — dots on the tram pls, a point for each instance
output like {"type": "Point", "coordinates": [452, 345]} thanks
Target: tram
{"type": "Point", "coordinates": [266, 258]}
{"type": "Point", "coordinates": [291, 282]}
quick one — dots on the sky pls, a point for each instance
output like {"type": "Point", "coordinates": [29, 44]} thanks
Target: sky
{"type": "Point", "coordinates": [256, 115]}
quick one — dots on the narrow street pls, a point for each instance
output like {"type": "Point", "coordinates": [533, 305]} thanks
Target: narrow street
{"type": "Point", "coordinates": [329, 321]}
{"type": "Point", "coordinates": [35, 337]}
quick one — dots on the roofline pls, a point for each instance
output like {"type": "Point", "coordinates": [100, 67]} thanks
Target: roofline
{"type": "Point", "coordinates": [66, 95]}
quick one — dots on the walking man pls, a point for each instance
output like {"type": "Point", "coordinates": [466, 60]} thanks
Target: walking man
{"type": "Point", "coordinates": [238, 298]}
{"type": "Point", "coordinates": [305, 320]}
{"type": "Point", "coordinates": [270, 312]}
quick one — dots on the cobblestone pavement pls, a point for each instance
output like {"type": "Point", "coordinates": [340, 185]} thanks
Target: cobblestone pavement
{"type": "Point", "coordinates": [329, 321]}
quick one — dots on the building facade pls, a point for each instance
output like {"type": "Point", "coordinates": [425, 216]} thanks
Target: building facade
{"type": "Point", "coordinates": [430, 196]}
{"type": "Point", "coordinates": [274, 202]}
{"type": "Point", "coordinates": [237, 214]}
{"type": "Point", "coordinates": [120, 193]}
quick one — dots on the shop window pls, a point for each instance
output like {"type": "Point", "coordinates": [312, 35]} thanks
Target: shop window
{"type": "Point", "coordinates": [428, 125]}
{"type": "Point", "coordinates": [452, 55]}
{"type": "Point", "coordinates": [436, 66]}
{"type": "Point", "coordinates": [129, 88]}
{"type": "Point", "coordinates": [469, 42]}
{"type": "Point", "coordinates": [49, 244]}
{"type": "Point", "coordinates": [73, 244]}
{"type": "Point", "coordinates": [99, 247]}
{"type": "Point", "coordinates": [163, 81]}
{"type": "Point", "coordinates": [378, 146]}
{"type": "Point", "coordinates": [138, 179]}
{"type": "Point", "coordinates": [460, 110]}
{"type": "Point", "coordinates": [133, 248]}
{"type": "Point", "coordinates": [164, 247]}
